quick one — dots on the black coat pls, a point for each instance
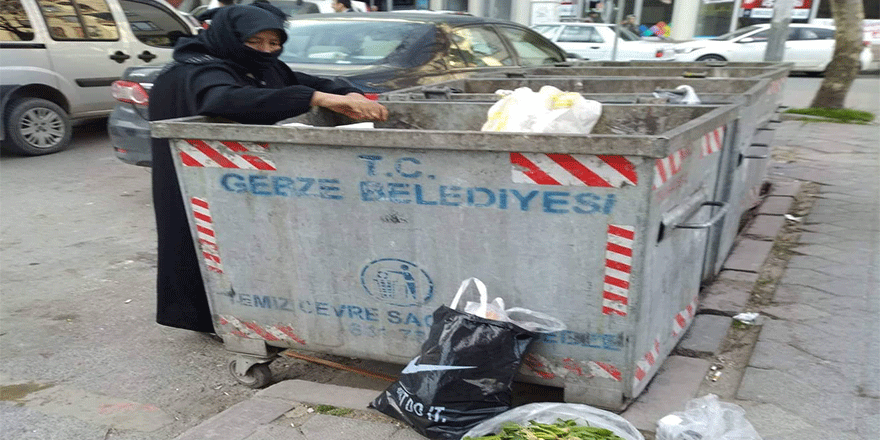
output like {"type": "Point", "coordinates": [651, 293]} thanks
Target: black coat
{"type": "Point", "coordinates": [214, 74]}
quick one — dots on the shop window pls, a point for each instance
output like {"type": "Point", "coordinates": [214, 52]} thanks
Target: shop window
{"type": "Point", "coordinates": [871, 7]}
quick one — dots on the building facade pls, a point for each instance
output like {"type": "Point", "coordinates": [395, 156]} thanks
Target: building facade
{"type": "Point", "coordinates": [677, 19]}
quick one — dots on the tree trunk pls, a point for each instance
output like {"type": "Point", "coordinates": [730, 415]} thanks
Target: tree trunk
{"type": "Point", "coordinates": [844, 66]}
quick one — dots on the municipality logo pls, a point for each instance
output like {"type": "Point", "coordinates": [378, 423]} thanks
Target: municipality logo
{"type": "Point", "coordinates": [397, 282]}
{"type": "Point", "coordinates": [412, 367]}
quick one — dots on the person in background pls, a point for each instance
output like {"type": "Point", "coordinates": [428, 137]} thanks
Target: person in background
{"type": "Point", "coordinates": [342, 6]}
{"type": "Point", "coordinates": [594, 17]}
{"type": "Point", "coordinates": [232, 71]}
{"type": "Point", "coordinates": [629, 23]}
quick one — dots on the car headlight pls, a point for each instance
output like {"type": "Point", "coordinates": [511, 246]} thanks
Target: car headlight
{"type": "Point", "coordinates": [686, 49]}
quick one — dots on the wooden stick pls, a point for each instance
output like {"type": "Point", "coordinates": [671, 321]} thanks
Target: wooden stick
{"type": "Point", "coordinates": [331, 364]}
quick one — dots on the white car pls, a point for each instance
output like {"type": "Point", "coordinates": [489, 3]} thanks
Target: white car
{"type": "Point", "coordinates": [809, 47]}
{"type": "Point", "coordinates": [595, 41]}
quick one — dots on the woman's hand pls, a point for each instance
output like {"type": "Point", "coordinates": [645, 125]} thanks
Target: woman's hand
{"type": "Point", "coordinates": [353, 105]}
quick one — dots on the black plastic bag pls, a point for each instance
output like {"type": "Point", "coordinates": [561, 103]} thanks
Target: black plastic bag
{"type": "Point", "coordinates": [462, 375]}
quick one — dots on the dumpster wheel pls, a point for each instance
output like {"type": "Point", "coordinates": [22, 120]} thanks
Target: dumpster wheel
{"type": "Point", "coordinates": [257, 376]}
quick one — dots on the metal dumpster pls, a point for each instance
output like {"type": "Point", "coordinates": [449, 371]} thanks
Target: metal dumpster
{"type": "Point", "coordinates": [344, 241]}
{"type": "Point", "coordinates": [661, 71]}
{"type": "Point", "coordinates": [743, 167]}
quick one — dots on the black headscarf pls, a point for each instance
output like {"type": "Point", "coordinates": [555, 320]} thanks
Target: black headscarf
{"type": "Point", "coordinates": [224, 39]}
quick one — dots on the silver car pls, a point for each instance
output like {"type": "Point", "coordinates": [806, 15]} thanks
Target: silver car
{"type": "Point", "coordinates": [60, 58]}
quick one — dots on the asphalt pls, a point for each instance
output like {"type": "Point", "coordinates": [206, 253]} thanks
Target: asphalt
{"type": "Point", "coordinates": [808, 262]}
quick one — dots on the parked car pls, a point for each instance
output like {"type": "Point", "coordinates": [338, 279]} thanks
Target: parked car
{"type": "Point", "coordinates": [60, 58]}
{"type": "Point", "coordinates": [809, 47]}
{"type": "Point", "coordinates": [595, 41]}
{"type": "Point", "coordinates": [376, 52]}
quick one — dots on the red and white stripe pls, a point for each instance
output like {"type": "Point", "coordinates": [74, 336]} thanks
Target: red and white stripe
{"type": "Point", "coordinates": [669, 166]}
{"type": "Point", "coordinates": [224, 154]}
{"type": "Point", "coordinates": [683, 318]}
{"type": "Point", "coordinates": [646, 363]}
{"type": "Point", "coordinates": [712, 142]}
{"type": "Point", "coordinates": [252, 330]}
{"type": "Point", "coordinates": [573, 170]}
{"type": "Point", "coordinates": [605, 371]}
{"type": "Point", "coordinates": [596, 369]}
{"type": "Point", "coordinates": [207, 237]}
{"type": "Point", "coordinates": [618, 267]}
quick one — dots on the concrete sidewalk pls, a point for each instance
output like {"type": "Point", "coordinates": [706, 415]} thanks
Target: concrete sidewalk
{"type": "Point", "coordinates": [808, 370]}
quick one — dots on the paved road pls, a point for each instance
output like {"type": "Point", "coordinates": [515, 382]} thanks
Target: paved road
{"type": "Point", "coordinates": [80, 351]}
{"type": "Point", "coordinates": [77, 268]}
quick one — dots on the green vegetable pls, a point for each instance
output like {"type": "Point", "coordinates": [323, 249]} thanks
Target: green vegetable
{"type": "Point", "coordinates": [561, 430]}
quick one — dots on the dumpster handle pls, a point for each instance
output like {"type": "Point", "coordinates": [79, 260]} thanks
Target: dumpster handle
{"type": "Point", "coordinates": [718, 215]}
{"type": "Point", "coordinates": [439, 92]}
{"type": "Point", "coordinates": [756, 155]}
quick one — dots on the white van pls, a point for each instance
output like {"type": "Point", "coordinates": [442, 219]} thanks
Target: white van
{"type": "Point", "coordinates": [59, 58]}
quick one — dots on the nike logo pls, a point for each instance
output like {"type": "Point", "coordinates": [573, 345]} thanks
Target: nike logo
{"type": "Point", "coordinates": [411, 367]}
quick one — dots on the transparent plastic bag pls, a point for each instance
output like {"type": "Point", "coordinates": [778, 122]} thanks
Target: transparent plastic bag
{"type": "Point", "coordinates": [549, 412]}
{"type": "Point", "coordinates": [683, 94]}
{"type": "Point", "coordinates": [528, 319]}
{"type": "Point", "coordinates": [549, 110]}
{"type": "Point", "coordinates": [707, 418]}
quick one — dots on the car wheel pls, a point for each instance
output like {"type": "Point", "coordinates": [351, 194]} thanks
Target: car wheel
{"type": "Point", "coordinates": [37, 126]}
{"type": "Point", "coordinates": [711, 58]}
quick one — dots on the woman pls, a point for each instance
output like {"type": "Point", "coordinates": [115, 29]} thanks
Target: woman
{"type": "Point", "coordinates": [231, 70]}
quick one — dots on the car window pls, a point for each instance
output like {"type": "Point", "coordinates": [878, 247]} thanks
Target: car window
{"type": "Point", "coordinates": [764, 35]}
{"type": "Point", "coordinates": [815, 34]}
{"type": "Point", "coordinates": [626, 34]}
{"type": "Point", "coordinates": [546, 30]}
{"type": "Point", "coordinates": [14, 23]}
{"type": "Point", "coordinates": [737, 33]}
{"type": "Point", "coordinates": [823, 34]}
{"type": "Point", "coordinates": [760, 36]}
{"type": "Point", "coordinates": [152, 25]}
{"type": "Point", "coordinates": [531, 48]}
{"type": "Point", "coordinates": [480, 46]}
{"type": "Point", "coordinates": [580, 34]}
{"type": "Point", "coordinates": [807, 34]}
{"type": "Point", "coordinates": [357, 42]}
{"type": "Point", "coordinates": [86, 21]}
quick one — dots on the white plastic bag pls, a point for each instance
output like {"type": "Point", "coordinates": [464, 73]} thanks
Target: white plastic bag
{"type": "Point", "coordinates": [549, 110]}
{"type": "Point", "coordinates": [528, 319]}
{"type": "Point", "coordinates": [549, 412]}
{"type": "Point", "coordinates": [707, 418]}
